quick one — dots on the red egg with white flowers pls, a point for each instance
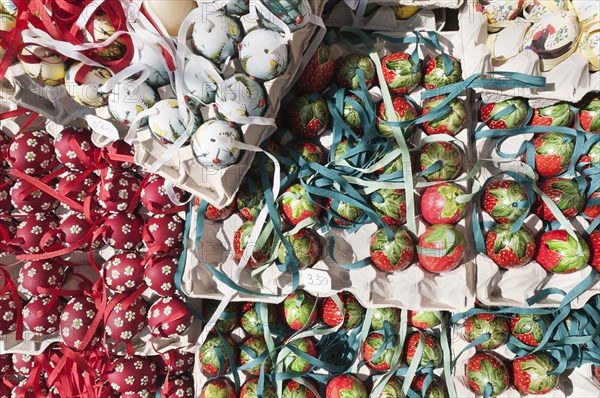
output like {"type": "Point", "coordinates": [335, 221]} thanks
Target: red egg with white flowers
{"type": "Point", "coordinates": [40, 278]}
{"type": "Point", "coordinates": [77, 232]}
{"type": "Point", "coordinates": [123, 231]}
{"type": "Point", "coordinates": [76, 320]}
{"type": "Point", "coordinates": [27, 198]}
{"type": "Point", "coordinates": [163, 232]}
{"type": "Point", "coordinates": [5, 363]}
{"type": "Point", "coordinates": [119, 155]}
{"type": "Point", "coordinates": [6, 184]}
{"type": "Point", "coordinates": [133, 376]}
{"type": "Point", "coordinates": [126, 322]}
{"type": "Point", "coordinates": [124, 272]}
{"type": "Point", "coordinates": [169, 317]}
{"type": "Point", "coordinates": [159, 274]}
{"type": "Point", "coordinates": [35, 233]}
{"type": "Point", "coordinates": [8, 229]}
{"type": "Point", "coordinates": [23, 364]}
{"type": "Point", "coordinates": [74, 148]}
{"type": "Point", "coordinates": [32, 152]}
{"type": "Point", "coordinates": [78, 186]}
{"type": "Point", "coordinates": [154, 196]}
{"type": "Point", "coordinates": [117, 190]}
{"type": "Point", "coordinates": [42, 314]}
{"type": "Point", "coordinates": [178, 387]}
{"type": "Point", "coordinates": [8, 314]}
{"type": "Point", "coordinates": [176, 361]}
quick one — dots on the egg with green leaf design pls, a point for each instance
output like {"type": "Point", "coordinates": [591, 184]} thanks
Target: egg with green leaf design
{"type": "Point", "coordinates": [435, 72]}
{"type": "Point", "coordinates": [253, 348]}
{"type": "Point", "coordinates": [345, 71]}
{"type": "Point", "coordinates": [510, 249]}
{"type": "Point", "coordinates": [390, 255]}
{"type": "Point", "coordinates": [404, 111]}
{"type": "Point", "coordinates": [559, 114]}
{"type": "Point", "coordinates": [480, 324]}
{"type": "Point", "coordinates": [378, 351]}
{"type": "Point", "coordinates": [384, 315]}
{"type": "Point", "coordinates": [507, 114]}
{"type": "Point", "coordinates": [441, 248]}
{"type": "Point", "coordinates": [532, 374]}
{"type": "Point", "coordinates": [214, 357]}
{"type": "Point", "coordinates": [432, 350]}
{"type": "Point", "coordinates": [401, 73]}
{"type": "Point", "coordinates": [553, 153]}
{"type": "Point", "coordinates": [451, 122]}
{"type": "Point", "coordinates": [306, 247]}
{"type": "Point", "coordinates": [505, 200]}
{"type": "Point", "coordinates": [345, 386]}
{"type": "Point", "coordinates": [424, 319]}
{"type": "Point", "coordinates": [218, 388]}
{"type": "Point", "coordinates": [561, 253]}
{"type": "Point", "coordinates": [348, 317]}
{"type": "Point", "coordinates": [441, 161]}
{"type": "Point", "coordinates": [440, 204]}
{"type": "Point", "coordinates": [589, 115]}
{"type": "Point", "coordinates": [390, 205]}
{"type": "Point", "coordinates": [345, 211]}
{"type": "Point", "coordinates": [529, 328]}
{"type": "Point", "coordinates": [294, 362]}
{"type": "Point", "coordinates": [252, 317]}
{"type": "Point", "coordinates": [227, 320]}
{"type": "Point", "coordinates": [251, 388]}
{"type": "Point", "coordinates": [293, 389]}
{"type": "Point", "coordinates": [241, 238]}
{"type": "Point", "coordinates": [566, 193]}
{"type": "Point", "coordinates": [393, 388]}
{"type": "Point", "coordinates": [485, 369]}
{"type": "Point", "coordinates": [299, 310]}
{"type": "Point", "coordinates": [296, 205]}
{"type": "Point", "coordinates": [435, 390]}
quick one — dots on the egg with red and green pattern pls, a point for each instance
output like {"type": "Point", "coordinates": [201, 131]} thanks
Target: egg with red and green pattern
{"type": "Point", "coordinates": [218, 388]}
{"type": "Point", "coordinates": [529, 328]}
{"type": "Point", "coordinates": [507, 114]}
{"type": "Point", "coordinates": [451, 122]}
{"type": "Point", "coordinates": [401, 73]}
{"type": "Point", "coordinates": [510, 249]}
{"type": "Point", "coordinates": [441, 248]}
{"type": "Point", "coordinates": [390, 205]}
{"type": "Point", "coordinates": [217, 355]}
{"type": "Point", "coordinates": [390, 255]}
{"type": "Point", "coordinates": [435, 72]}
{"type": "Point", "coordinates": [306, 247]}
{"type": "Point", "coordinates": [561, 253]}
{"type": "Point", "coordinates": [505, 200]}
{"type": "Point", "coordinates": [378, 351]}
{"type": "Point", "coordinates": [485, 369]}
{"type": "Point", "coordinates": [440, 204]}
{"type": "Point", "coordinates": [251, 319]}
{"type": "Point", "coordinates": [250, 350]}
{"type": "Point", "coordinates": [479, 324]}
{"type": "Point", "coordinates": [345, 386]}
{"type": "Point", "coordinates": [299, 310]}
{"type": "Point", "coordinates": [432, 350]}
{"type": "Point", "coordinates": [295, 363]}
{"type": "Point", "coordinates": [445, 154]}
{"type": "Point", "coordinates": [345, 71]}
{"type": "Point", "coordinates": [424, 319]}
{"type": "Point", "coordinates": [250, 389]}
{"type": "Point", "coordinates": [348, 317]}
{"type": "Point", "coordinates": [532, 374]}
{"type": "Point", "coordinates": [383, 315]}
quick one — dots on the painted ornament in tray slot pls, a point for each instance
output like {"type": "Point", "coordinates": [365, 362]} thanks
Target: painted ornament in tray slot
{"type": "Point", "coordinates": [128, 98]}
{"type": "Point", "coordinates": [450, 123]}
{"type": "Point", "coordinates": [178, 387]}
{"type": "Point", "coordinates": [124, 272]}
{"type": "Point", "coordinates": [561, 253]}
{"type": "Point", "coordinates": [7, 24]}
{"type": "Point", "coordinates": [250, 201]}
{"type": "Point", "coordinates": [353, 106]}
{"type": "Point", "coordinates": [535, 9]}
{"type": "Point", "coordinates": [440, 205]}
{"type": "Point", "coordinates": [565, 193]}
{"type": "Point", "coordinates": [505, 201]}
{"type": "Point", "coordinates": [155, 197]}
{"type": "Point", "coordinates": [125, 322]}
{"type": "Point", "coordinates": [169, 317]}
{"type": "Point", "coordinates": [252, 317]}
{"type": "Point", "coordinates": [479, 324]}
{"type": "Point", "coordinates": [432, 350]}
{"type": "Point", "coordinates": [589, 45]}
{"type": "Point", "coordinates": [383, 315]}
{"type": "Point", "coordinates": [76, 320]}
{"type": "Point", "coordinates": [74, 148]}
{"type": "Point", "coordinates": [441, 248]}
{"type": "Point", "coordinates": [44, 66]}
{"type": "Point", "coordinates": [227, 320]}
{"type": "Point", "coordinates": [445, 154]}
{"type": "Point", "coordinates": [100, 29]}
{"type": "Point", "coordinates": [75, 229]}
{"type": "Point", "coordinates": [212, 350]}
{"type": "Point", "coordinates": [215, 214]}
{"type": "Point", "coordinates": [299, 310]}
{"type": "Point", "coordinates": [507, 114]}
{"type": "Point", "coordinates": [163, 232]}
{"type": "Point", "coordinates": [318, 73]}
{"type": "Point", "coordinates": [345, 71]}
{"type": "Point", "coordinates": [499, 10]}
{"type": "Point", "coordinates": [485, 369]}
{"type": "Point", "coordinates": [211, 144]}
{"type": "Point", "coordinates": [133, 375]}
{"type": "Point", "coordinates": [529, 328]}
{"type": "Point", "coordinates": [589, 115]}
{"type": "Point", "coordinates": [238, 97]}
{"type": "Point", "coordinates": [216, 36]}
{"type": "Point", "coordinates": [344, 386]}
{"type": "Point", "coordinates": [592, 210]}
{"type": "Point", "coordinates": [553, 153]}
{"type": "Point", "coordinates": [401, 73]}
{"type": "Point", "coordinates": [200, 86]}
{"type": "Point", "coordinates": [424, 319]}
{"type": "Point", "coordinates": [159, 274]}
{"type": "Point", "coordinates": [308, 115]}
{"type": "Point", "coordinates": [114, 152]}
{"type": "Point", "coordinates": [8, 320]}
{"type": "Point", "coordinates": [26, 198]}
{"type": "Point", "coordinates": [510, 249]}
{"type": "Point", "coordinates": [218, 388]}
{"type": "Point", "coordinates": [295, 363]}
{"type": "Point", "coordinates": [251, 387]}
{"type": "Point", "coordinates": [348, 317]}
{"type": "Point", "coordinates": [347, 212]}
{"type": "Point", "coordinates": [392, 255]}
{"type": "Point", "coordinates": [307, 151]}
{"type": "Point", "coordinates": [33, 229]}
{"type": "Point", "coordinates": [293, 389]}
{"type": "Point", "coordinates": [378, 352]}
{"type": "Point", "coordinates": [150, 55]}
{"type": "Point", "coordinates": [390, 205]}
{"type": "Point", "coordinates": [83, 83]}
{"type": "Point", "coordinates": [235, 7]}
{"type": "Point", "coordinates": [32, 152]}
{"type": "Point", "coordinates": [240, 240]}
{"type": "Point", "coordinates": [40, 277]}
{"type": "Point", "coordinates": [177, 361]}
{"type": "Point", "coordinates": [553, 36]}
{"type": "Point", "coordinates": [532, 374]}
{"type": "Point", "coordinates": [78, 187]}
{"type": "Point", "coordinates": [553, 115]}
{"type": "Point", "coordinates": [595, 249]}
{"type": "Point", "coordinates": [263, 54]}
{"type": "Point", "coordinates": [306, 246]}
{"type": "Point", "coordinates": [294, 13]}
{"type": "Point", "coordinates": [8, 7]}
{"type": "Point", "coordinates": [296, 206]}
{"type": "Point", "coordinates": [167, 125]}
{"type": "Point", "coordinates": [435, 72]}
{"type": "Point", "coordinates": [404, 110]}
{"type": "Point", "coordinates": [436, 389]}
{"type": "Point", "coordinates": [123, 231]}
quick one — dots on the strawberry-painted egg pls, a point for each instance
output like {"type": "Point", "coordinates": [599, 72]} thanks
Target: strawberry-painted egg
{"type": "Point", "coordinates": [8, 317]}
{"type": "Point", "coordinates": [216, 36]}
{"type": "Point", "coordinates": [83, 82]}
{"type": "Point", "coordinates": [40, 277]}
{"type": "Point", "coordinates": [27, 198]}
{"type": "Point", "coordinates": [211, 146]}
{"type": "Point", "coordinates": [31, 152]}
{"type": "Point", "coordinates": [436, 74]}
{"type": "Point", "coordinates": [169, 317]}
{"type": "Point", "coordinates": [75, 322]}
{"type": "Point", "coordinates": [127, 99]}
{"type": "Point", "coordinates": [124, 272]}
{"type": "Point", "coordinates": [264, 54]}
{"type": "Point", "coordinates": [209, 356]}
{"type": "Point", "coordinates": [33, 233]}
{"type": "Point", "coordinates": [43, 65]}
{"type": "Point", "coordinates": [123, 231]}
{"type": "Point", "coordinates": [133, 376]}
{"type": "Point", "coordinates": [163, 232]}
{"type": "Point", "coordinates": [166, 124]}
{"type": "Point", "coordinates": [126, 319]}
{"type": "Point", "coordinates": [74, 148]}
{"type": "Point", "coordinates": [117, 189]}
{"type": "Point", "coordinates": [42, 313]}
{"type": "Point", "coordinates": [240, 96]}
{"type": "Point", "coordinates": [159, 274]}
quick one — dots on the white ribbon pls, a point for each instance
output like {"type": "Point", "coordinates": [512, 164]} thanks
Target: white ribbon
{"type": "Point", "coordinates": [87, 12]}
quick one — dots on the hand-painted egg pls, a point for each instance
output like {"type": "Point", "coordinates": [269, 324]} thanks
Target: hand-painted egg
{"type": "Point", "coordinates": [124, 272]}
{"type": "Point", "coordinates": [117, 189]}
{"type": "Point", "coordinates": [178, 387]}
{"type": "Point", "coordinates": [199, 85]}
{"type": "Point", "coordinates": [589, 44]}
{"type": "Point", "coordinates": [221, 387]}
{"type": "Point", "coordinates": [128, 98]}
{"type": "Point", "coordinates": [133, 376]}
{"type": "Point", "coordinates": [82, 83]}
{"type": "Point", "coordinates": [102, 29]}
{"type": "Point", "coordinates": [78, 187]}
{"type": "Point", "coordinates": [163, 232]}
{"type": "Point", "coordinates": [125, 323]}
{"type": "Point", "coordinates": [553, 36]}
{"type": "Point", "coordinates": [33, 229]}
{"type": "Point", "coordinates": [23, 364]}
{"type": "Point", "coordinates": [211, 144]}
{"type": "Point", "coordinates": [41, 315]}
{"type": "Point", "coordinates": [216, 36]}
{"type": "Point", "coordinates": [8, 228]}
{"type": "Point", "coordinates": [211, 362]}
{"type": "Point", "coordinates": [8, 314]}
{"type": "Point", "coordinates": [166, 124]}
{"type": "Point", "coordinates": [155, 199]}
{"type": "Point", "coordinates": [295, 14]}
{"type": "Point", "coordinates": [264, 54]}
{"type": "Point", "coordinates": [116, 152]}
{"type": "Point", "coordinates": [4, 142]}
{"type": "Point", "coordinates": [586, 10]}
{"type": "Point", "coordinates": [123, 231]}
{"type": "Point", "coordinates": [169, 317]}
{"type": "Point", "coordinates": [535, 9]}
{"type": "Point", "coordinates": [151, 57]}
{"type": "Point", "coordinates": [74, 148]}
{"type": "Point", "coordinates": [32, 152]}
{"type": "Point", "coordinates": [24, 390]}
{"type": "Point", "coordinates": [42, 65]}
{"type": "Point", "coordinates": [75, 322]}
{"type": "Point", "coordinates": [499, 10]}
{"type": "Point", "coordinates": [7, 23]}
{"type": "Point", "coordinates": [5, 363]}
{"type": "Point", "coordinates": [176, 361]}
{"type": "Point", "coordinates": [8, 7]}
{"type": "Point", "coordinates": [27, 198]}
{"type": "Point", "coordinates": [76, 232]}
{"type": "Point", "coordinates": [6, 186]}
{"type": "Point", "coordinates": [435, 72]}
{"type": "Point", "coordinates": [240, 96]}
{"type": "Point", "coordinates": [159, 274]}
{"type": "Point", "coordinates": [40, 278]}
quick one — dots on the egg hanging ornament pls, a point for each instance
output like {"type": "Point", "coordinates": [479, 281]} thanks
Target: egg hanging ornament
{"type": "Point", "coordinates": [7, 23]}
{"type": "Point", "coordinates": [240, 96]}
{"type": "Point", "coordinates": [100, 29]}
{"type": "Point", "coordinates": [295, 13]}
{"type": "Point", "coordinates": [211, 146]}
{"type": "Point", "coordinates": [264, 54]}
{"type": "Point", "coordinates": [200, 86]}
{"type": "Point", "coordinates": [42, 65]}
{"type": "Point", "coordinates": [150, 56]}
{"type": "Point", "coordinates": [82, 83]}
{"type": "Point", "coordinates": [127, 99]}
{"type": "Point", "coordinates": [216, 36]}
{"type": "Point", "coordinates": [166, 124]}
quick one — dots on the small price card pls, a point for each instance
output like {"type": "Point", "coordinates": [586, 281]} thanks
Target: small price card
{"type": "Point", "coordinates": [315, 281]}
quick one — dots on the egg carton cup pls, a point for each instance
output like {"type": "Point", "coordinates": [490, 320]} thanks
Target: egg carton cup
{"type": "Point", "coordinates": [575, 383]}
{"type": "Point", "coordinates": [385, 19]}
{"type": "Point", "coordinates": [569, 81]}
{"type": "Point", "coordinates": [219, 186]}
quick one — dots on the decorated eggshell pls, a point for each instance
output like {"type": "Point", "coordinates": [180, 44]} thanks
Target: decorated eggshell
{"type": "Point", "coordinates": [8, 228]}
{"type": "Point", "coordinates": [76, 232]}
{"type": "Point", "coordinates": [7, 23]}
{"type": "Point", "coordinates": [534, 9]}
{"type": "Point", "coordinates": [123, 231]}
{"type": "Point", "coordinates": [159, 274]}
{"type": "Point", "coordinates": [208, 145]}
{"type": "Point", "coordinates": [8, 314]}
{"type": "Point", "coordinates": [32, 152]}
{"type": "Point", "coordinates": [6, 186]}
{"type": "Point", "coordinates": [74, 148]}
{"type": "Point", "coordinates": [76, 320]}
{"type": "Point", "coordinates": [33, 228]}
{"type": "Point", "coordinates": [40, 277]}
{"type": "Point", "coordinates": [114, 152]}
{"type": "Point", "coordinates": [227, 320]}
{"type": "Point", "coordinates": [154, 196]}
{"type": "Point", "coordinates": [216, 36]}
{"type": "Point", "coordinates": [435, 72]}
{"type": "Point", "coordinates": [176, 361]}
{"type": "Point", "coordinates": [553, 36]}
{"type": "Point", "coordinates": [42, 65]}
{"type": "Point", "coordinates": [23, 364]}
{"type": "Point", "coordinates": [499, 10]}
{"type": "Point", "coordinates": [586, 10]}
{"type": "Point", "coordinates": [178, 387]}
{"type": "Point", "coordinates": [199, 85]}
{"type": "Point", "coordinates": [4, 142]}
{"type": "Point", "coordinates": [126, 323]}
{"type": "Point", "coordinates": [76, 186]}
{"type": "Point", "coordinates": [295, 14]}
{"type": "Point", "coordinates": [209, 359]}
{"type": "Point", "coordinates": [5, 363]}
{"type": "Point", "coordinates": [26, 198]}
{"type": "Point", "coordinates": [218, 387]}
{"type": "Point", "coordinates": [133, 376]}
{"type": "Point", "coordinates": [151, 57]}
{"type": "Point", "coordinates": [128, 98]}
{"type": "Point", "coordinates": [163, 231]}
{"type": "Point", "coordinates": [82, 83]}
{"type": "Point", "coordinates": [8, 7]}
{"type": "Point", "coordinates": [240, 96]}
{"type": "Point", "coordinates": [117, 189]}
{"type": "Point", "coordinates": [405, 12]}
{"type": "Point", "coordinates": [589, 44]}
{"type": "Point", "coordinates": [166, 124]}
{"type": "Point", "coordinates": [102, 29]}
{"type": "Point", "coordinates": [264, 54]}
{"type": "Point", "coordinates": [23, 390]}
{"type": "Point", "coordinates": [42, 316]}
{"type": "Point", "coordinates": [124, 272]}
{"type": "Point", "coordinates": [169, 317]}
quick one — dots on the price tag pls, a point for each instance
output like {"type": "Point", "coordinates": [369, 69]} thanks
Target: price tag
{"type": "Point", "coordinates": [102, 127]}
{"type": "Point", "coordinates": [315, 281]}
